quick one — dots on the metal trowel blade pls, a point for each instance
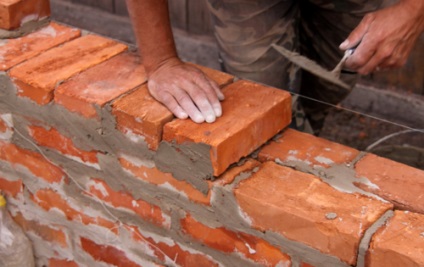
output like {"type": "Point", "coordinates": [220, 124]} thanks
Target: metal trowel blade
{"type": "Point", "coordinates": [311, 66]}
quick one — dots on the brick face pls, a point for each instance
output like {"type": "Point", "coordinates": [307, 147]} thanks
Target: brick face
{"type": "Point", "coordinates": [400, 184]}
{"type": "Point", "coordinates": [295, 146]}
{"type": "Point", "coordinates": [11, 187]}
{"type": "Point", "coordinates": [398, 243]}
{"type": "Point", "coordinates": [301, 207]}
{"type": "Point", "coordinates": [101, 84]}
{"type": "Point", "coordinates": [16, 51]}
{"type": "Point", "coordinates": [13, 13]}
{"type": "Point", "coordinates": [245, 125]}
{"type": "Point", "coordinates": [38, 77]}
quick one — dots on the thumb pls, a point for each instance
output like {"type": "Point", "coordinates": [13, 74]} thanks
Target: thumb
{"type": "Point", "coordinates": [358, 33]}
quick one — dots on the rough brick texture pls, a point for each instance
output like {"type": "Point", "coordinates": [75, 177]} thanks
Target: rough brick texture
{"type": "Point", "coordinates": [98, 173]}
{"type": "Point", "coordinates": [14, 13]}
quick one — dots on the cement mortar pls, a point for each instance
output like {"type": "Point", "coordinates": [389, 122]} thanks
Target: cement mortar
{"type": "Point", "coordinates": [187, 162]}
{"type": "Point", "coordinates": [26, 28]}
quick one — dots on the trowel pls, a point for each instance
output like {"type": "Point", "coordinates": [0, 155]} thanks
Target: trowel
{"type": "Point", "coordinates": [311, 66]}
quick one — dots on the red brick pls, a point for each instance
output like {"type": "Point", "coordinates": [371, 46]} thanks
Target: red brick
{"type": "Point", "coordinates": [400, 184]}
{"type": "Point", "coordinates": [252, 114]}
{"type": "Point", "coordinates": [15, 51]}
{"type": "Point", "coordinates": [34, 162]}
{"type": "Point", "coordinates": [11, 187]}
{"type": "Point", "coordinates": [107, 254]}
{"type": "Point", "coordinates": [139, 113]}
{"type": "Point", "coordinates": [101, 84]}
{"type": "Point", "coordinates": [48, 199]}
{"type": "Point", "coordinates": [155, 176]}
{"type": "Point", "coordinates": [38, 77]}
{"type": "Point", "coordinates": [62, 263]}
{"type": "Point", "coordinates": [221, 78]}
{"type": "Point", "coordinates": [52, 138]}
{"type": "Point", "coordinates": [302, 208]}
{"type": "Point", "coordinates": [45, 232]}
{"type": "Point", "coordinates": [295, 146]}
{"type": "Point", "coordinates": [227, 241]}
{"type": "Point", "coordinates": [173, 251]}
{"type": "Point", "coordinates": [399, 243]}
{"type": "Point", "coordinates": [145, 210]}
{"type": "Point", "coordinates": [13, 13]}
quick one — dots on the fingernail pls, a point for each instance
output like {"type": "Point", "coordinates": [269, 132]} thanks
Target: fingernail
{"type": "Point", "coordinates": [182, 115]}
{"type": "Point", "coordinates": [210, 118]}
{"type": "Point", "coordinates": [344, 44]}
{"type": "Point", "coordinates": [218, 111]}
{"type": "Point", "coordinates": [221, 96]}
{"type": "Point", "coordinates": [198, 118]}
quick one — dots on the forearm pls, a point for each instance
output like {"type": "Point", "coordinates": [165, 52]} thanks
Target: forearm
{"type": "Point", "coordinates": [153, 32]}
{"type": "Point", "coordinates": [416, 7]}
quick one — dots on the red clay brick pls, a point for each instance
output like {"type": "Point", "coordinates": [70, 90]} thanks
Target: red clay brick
{"type": "Point", "coordinates": [54, 139]}
{"type": "Point", "coordinates": [295, 146]}
{"type": "Point", "coordinates": [13, 13]}
{"type": "Point", "coordinates": [101, 84]}
{"type": "Point", "coordinates": [11, 187]}
{"type": "Point", "coordinates": [107, 254]}
{"type": "Point", "coordinates": [145, 210]}
{"type": "Point", "coordinates": [34, 162]}
{"type": "Point", "coordinates": [252, 114]}
{"type": "Point", "coordinates": [302, 208]}
{"type": "Point", "coordinates": [48, 199]}
{"type": "Point", "coordinates": [38, 77]}
{"type": "Point", "coordinates": [399, 243]}
{"type": "Point", "coordinates": [227, 241]}
{"type": "Point", "coordinates": [139, 113]}
{"type": "Point", "coordinates": [400, 184]}
{"type": "Point", "coordinates": [15, 51]}
{"type": "Point", "coordinates": [221, 78]}
{"type": "Point", "coordinates": [173, 251]}
{"type": "Point", "coordinates": [155, 176]}
{"type": "Point", "coordinates": [45, 232]}
{"type": "Point", "coordinates": [62, 263]}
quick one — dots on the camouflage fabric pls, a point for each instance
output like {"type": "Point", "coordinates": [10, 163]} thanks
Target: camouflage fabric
{"type": "Point", "coordinates": [245, 29]}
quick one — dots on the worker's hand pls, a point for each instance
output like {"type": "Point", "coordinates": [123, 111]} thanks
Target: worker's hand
{"type": "Point", "coordinates": [186, 91]}
{"type": "Point", "coordinates": [385, 37]}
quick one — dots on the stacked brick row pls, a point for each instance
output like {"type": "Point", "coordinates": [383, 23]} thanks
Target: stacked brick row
{"type": "Point", "coordinates": [100, 174]}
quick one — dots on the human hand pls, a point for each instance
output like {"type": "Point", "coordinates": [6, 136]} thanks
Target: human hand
{"type": "Point", "coordinates": [186, 91]}
{"type": "Point", "coordinates": [385, 37]}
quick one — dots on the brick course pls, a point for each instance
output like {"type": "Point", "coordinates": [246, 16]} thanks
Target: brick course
{"type": "Point", "coordinates": [107, 199]}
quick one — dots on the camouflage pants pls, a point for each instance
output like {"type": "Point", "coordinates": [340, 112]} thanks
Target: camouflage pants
{"type": "Point", "coordinates": [245, 29]}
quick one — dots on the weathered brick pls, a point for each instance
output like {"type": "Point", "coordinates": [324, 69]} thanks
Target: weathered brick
{"type": "Point", "coordinates": [11, 187]}
{"type": "Point", "coordinates": [107, 254]}
{"type": "Point", "coordinates": [138, 113]}
{"type": "Point", "coordinates": [145, 210]}
{"type": "Point", "coordinates": [400, 184]}
{"type": "Point", "coordinates": [34, 162]}
{"type": "Point", "coordinates": [153, 175]}
{"type": "Point", "coordinates": [13, 13]}
{"type": "Point", "coordinates": [252, 114]}
{"type": "Point", "coordinates": [62, 263]}
{"type": "Point", "coordinates": [52, 138]}
{"type": "Point", "coordinates": [45, 232]}
{"type": "Point", "coordinates": [251, 247]}
{"type": "Point", "coordinates": [297, 147]}
{"type": "Point", "coordinates": [15, 51]}
{"type": "Point", "coordinates": [166, 248]}
{"type": "Point", "coordinates": [49, 199]}
{"type": "Point", "coordinates": [302, 208]}
{"type": "Point", "coordinates": [101, 84]}
{"type": "Point", "coordinates": [398, 243]}
{"type": "Point", "coordinates": [38, 77]}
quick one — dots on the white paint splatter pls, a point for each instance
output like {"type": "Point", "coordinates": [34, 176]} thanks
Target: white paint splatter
{"type": "Point", "coordinates": [136, 138]}
{"type": "Point", "coordinates": [135, 204]}
{"type": "Point", "coordinates": [251, 250]}
{"type": "Point", "coordinates": [324, 160]}
{"type": "Point", "coordinates": [29, 18]}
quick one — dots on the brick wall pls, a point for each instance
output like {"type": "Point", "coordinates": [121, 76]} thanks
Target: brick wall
{"type": "Point", "coordinates": [98, 173]}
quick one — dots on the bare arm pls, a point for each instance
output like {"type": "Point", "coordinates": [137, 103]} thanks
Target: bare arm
{"type": "Point", "coordinates": [386, 37]}
{"type": "Point", "coordinates": [182, 88]}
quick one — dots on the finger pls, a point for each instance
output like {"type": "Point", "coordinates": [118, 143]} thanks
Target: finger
{"type": "Point", "coordinates": [384, 53]}
{"type": "Point", "coordinates": [169, 101]}
{"type": "Point", "coordinates": [361, 56]}
{"type": "Point", "coordinates": [213, 94]}
{"type": "Point", "coordinates": [358, 33]}
{"type": "Point", "coordinates": [198, 95]}
{"type": "Point", "coordinates": [186, 102]}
